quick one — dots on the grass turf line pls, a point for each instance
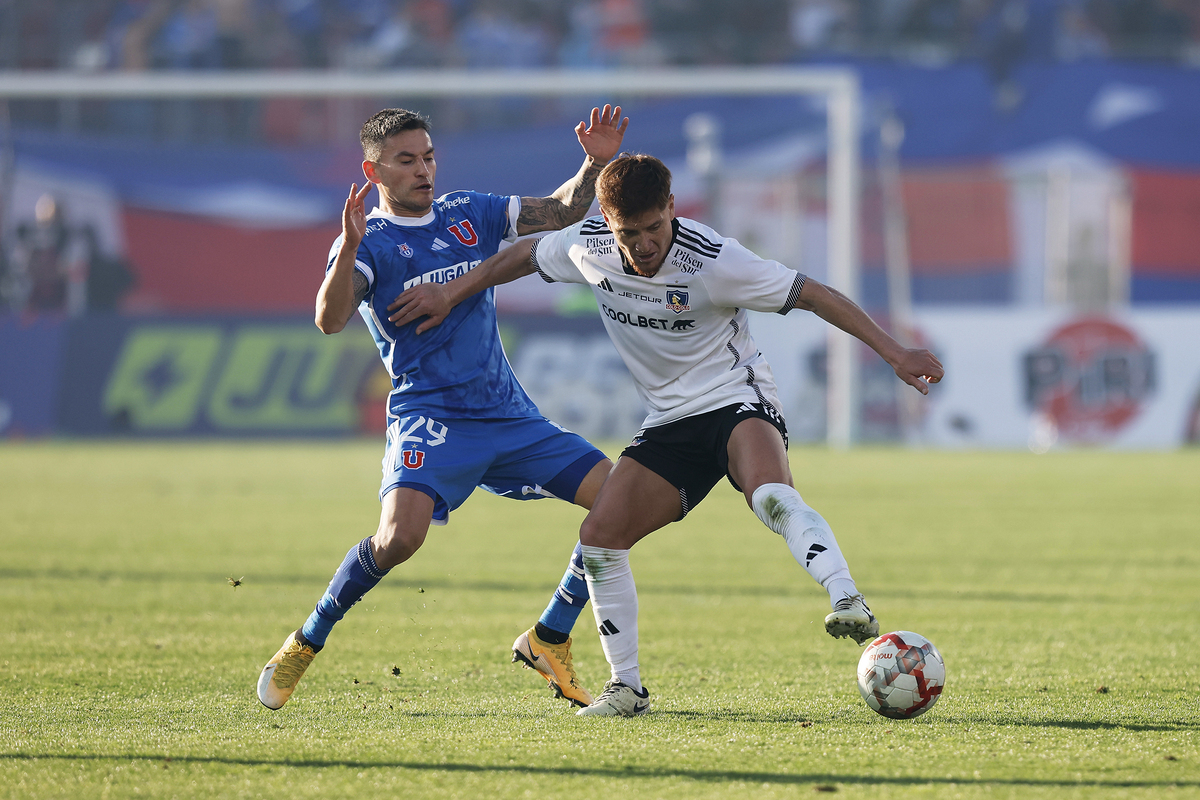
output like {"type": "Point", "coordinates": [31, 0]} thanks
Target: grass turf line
{"type": "Point", "coordinates": [129, 660]}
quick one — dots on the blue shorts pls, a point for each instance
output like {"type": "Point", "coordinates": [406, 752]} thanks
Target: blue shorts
{"type": "Point", "coordinates": [524, 458]}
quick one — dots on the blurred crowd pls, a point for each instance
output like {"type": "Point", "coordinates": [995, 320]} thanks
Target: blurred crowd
{"type": "Point", "coordinates": [366, 35]}
{"type": "Point", "coordinates": [377, 34]}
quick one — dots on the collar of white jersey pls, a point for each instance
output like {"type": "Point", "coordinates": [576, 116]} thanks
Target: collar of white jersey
{"type": "Point", "coordinates": [412, 222]}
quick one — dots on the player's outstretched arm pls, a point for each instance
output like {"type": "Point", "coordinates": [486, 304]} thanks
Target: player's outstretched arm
{"type": "Point", "coordinates": [344, 287]}
{"type": "Point", "coordinates": [914, 366]}
{"type": "Point", "coordinates": [601, 139]}
{"type": "Point", "coordinates": [435, 300]}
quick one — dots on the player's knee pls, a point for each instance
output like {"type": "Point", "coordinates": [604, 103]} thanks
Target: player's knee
{"type": "Point", "coordinates": [595, 533]}
{"type": "Point", "coordinates": [394, 544]}
{"type": "Point", "coordinates": [589, 532]}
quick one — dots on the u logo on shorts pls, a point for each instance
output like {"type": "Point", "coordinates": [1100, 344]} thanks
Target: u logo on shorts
{"type": "Point", "coordinates": [412, 459]}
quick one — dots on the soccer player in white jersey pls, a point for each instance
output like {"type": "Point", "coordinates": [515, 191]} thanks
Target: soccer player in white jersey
{"type": "Point", "coordinates": [674, 294]}
{"type": "Point", "coordinates": [457, 417]}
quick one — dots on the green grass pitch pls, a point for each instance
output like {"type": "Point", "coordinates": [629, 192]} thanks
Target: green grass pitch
{"type": "Point", "coordinates": [1063, 591]}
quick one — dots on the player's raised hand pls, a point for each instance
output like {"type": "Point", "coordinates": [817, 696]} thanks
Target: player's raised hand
{"type": "Point", "coordinates": [917, 366]}
{"type": "Point", "coordinates": [428, 300]}
{"type": "Point", "coordinates": [354, 215]}
{"type": "Point", "coordinates": [601, 136]}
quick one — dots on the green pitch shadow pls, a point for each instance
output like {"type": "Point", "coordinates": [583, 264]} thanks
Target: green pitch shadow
{"type": "Point", "coordinates": [631, 771]}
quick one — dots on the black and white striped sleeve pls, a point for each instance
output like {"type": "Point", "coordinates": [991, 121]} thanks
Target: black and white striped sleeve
{"type": "Point", "coordinates": [533, 259]}
{"type": "Point", "coordinates": [794, 295]}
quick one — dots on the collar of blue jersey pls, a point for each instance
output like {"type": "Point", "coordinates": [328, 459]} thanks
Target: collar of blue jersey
{"type": "Point", "coordinates": [628, 268]}
{"type": "Point", "coordinates": [412, 222]}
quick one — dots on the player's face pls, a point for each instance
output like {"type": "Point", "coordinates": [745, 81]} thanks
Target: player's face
{"type": "Point", "coordinates": [404, 173]}
{"type": "Point", "coordinates": [644, 238]}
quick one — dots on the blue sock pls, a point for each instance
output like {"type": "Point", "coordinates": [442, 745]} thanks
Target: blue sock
{"type": "Point", "coordinates": [357, 575]}
{"type": "Point", "coordinates": [569, 598]}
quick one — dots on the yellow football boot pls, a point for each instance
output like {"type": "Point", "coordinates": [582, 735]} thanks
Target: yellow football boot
{"type": "Point", "coordinates": [281, 674]}
{"type": "Point", "coordinates": [553, 661]}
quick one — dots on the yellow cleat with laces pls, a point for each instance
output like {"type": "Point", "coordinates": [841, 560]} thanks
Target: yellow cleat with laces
{"type": "Point", "coordinates": [553, 661]}
{"type": "Point", "coordinates": [281, 674]}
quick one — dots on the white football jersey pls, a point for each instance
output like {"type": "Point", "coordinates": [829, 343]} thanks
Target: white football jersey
{"type": "Point", "coordinates": [683, 333]}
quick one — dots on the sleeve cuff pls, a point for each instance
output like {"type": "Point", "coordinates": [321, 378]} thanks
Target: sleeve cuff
{"type": "Point", "coordinates": [533, 260]}
{"type": "Point", "coordinates": [794, 294]}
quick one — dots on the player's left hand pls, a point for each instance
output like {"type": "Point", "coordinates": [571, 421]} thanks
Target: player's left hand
{"type": "Point", "coordinates": [601, 136]}
{"type": "Point", "coordinates": [424, 300]}
{"type": "Point", "coordinates": [916, 366]}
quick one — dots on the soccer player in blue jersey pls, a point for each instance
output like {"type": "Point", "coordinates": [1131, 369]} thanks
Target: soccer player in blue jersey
{"type": "Point", "coordinates": [457, 417]}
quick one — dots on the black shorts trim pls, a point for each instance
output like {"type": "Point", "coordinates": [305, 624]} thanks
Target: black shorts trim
{"type": "Point", "coordinates": [692, 454]}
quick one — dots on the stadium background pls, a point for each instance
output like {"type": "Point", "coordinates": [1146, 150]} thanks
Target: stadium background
{"type": "Point", "coordinates": [160, 257]}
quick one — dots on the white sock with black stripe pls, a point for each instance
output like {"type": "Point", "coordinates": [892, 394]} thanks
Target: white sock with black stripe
{"type": "Point", "coordinates": [808, 536]}
{"type": "Point", "coordinates": [615, 604]}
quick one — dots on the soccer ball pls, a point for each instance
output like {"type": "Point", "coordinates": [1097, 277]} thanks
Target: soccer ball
{"type": "Point", "coordinates": [901, 675]}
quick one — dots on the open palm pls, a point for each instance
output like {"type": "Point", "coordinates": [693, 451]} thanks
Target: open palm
{"type": "Point", "coordinates": [601, 136]}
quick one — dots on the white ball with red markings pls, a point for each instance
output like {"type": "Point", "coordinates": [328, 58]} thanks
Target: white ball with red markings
{"type": "Point", "coordinates": [901, 675]}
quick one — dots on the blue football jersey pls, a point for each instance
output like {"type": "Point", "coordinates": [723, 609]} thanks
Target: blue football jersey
{"type": "Point", "coordinates": [457, 369]}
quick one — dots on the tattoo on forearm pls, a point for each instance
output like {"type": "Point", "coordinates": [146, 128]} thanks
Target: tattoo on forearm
{"type": "Point", "coordinates": [360, 287]}
{"type": "Point", "coordinates": [565, 207]}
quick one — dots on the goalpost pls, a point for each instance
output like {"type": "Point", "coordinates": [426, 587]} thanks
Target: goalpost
{"type": "Point", "coordinates": [839, 86]}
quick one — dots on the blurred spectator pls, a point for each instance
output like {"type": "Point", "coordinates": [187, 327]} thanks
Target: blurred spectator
{"type": "Point", "coordinates": [582, 47]}
{"type": "Point", "coordinates": [188, 39]}
{"type": "Point", "coordinates": [1078, 36]}
{"type": "Point", "coordinates": [624, 34]}
{"type": "Point", "coordinates": [1004, 45]}
{"type": "Point", "coordinates": [306, 21]}
{"type": "Point", "coordinates": [47, 269]}
{"type": "Point", "coordinates": [492, 38]}
{"type": "Point", "coordinates": [815, 23]}
{"type": "Point", "coordinates": [235, 30]}
{"type": "Point", "coordinates": [56, 266]}
{"type": "Point", "coordinates": [108, 278]}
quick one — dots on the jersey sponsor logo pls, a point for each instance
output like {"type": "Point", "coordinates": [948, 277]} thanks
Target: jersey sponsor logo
{"type": "Point", "coordinates": [464, 233]}
{"type": "Point", "coordinates": [605, 285]}
{"type": "Point", "coordinates": [677, 300]}
{"type": "Point", "coordinates": [412, 459]}
{"type": "Point", "coordinates": [446, 205]}
{"type": "Point", "coordinates": [686, 262]}
{"type": "Point", "coordinates": [438, 244]}
{"type": "Point", "coordinates": [599, 245]}
{"type": "Point", "coordinates": [644, 298]}
{"type": "Point", "coordinates": [405, 250]}
{"type": "Point", "coordinates": [443, 274]}
{"type": "Point", "coordinates": [636, 320]}
{"type": "Point", "coordinates": [642, 321]}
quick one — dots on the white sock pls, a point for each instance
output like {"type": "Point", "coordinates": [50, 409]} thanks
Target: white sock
{"type": "Point", "coordinates": [808, 536]}
{"type": "Point", "coordinates": [615, 604]}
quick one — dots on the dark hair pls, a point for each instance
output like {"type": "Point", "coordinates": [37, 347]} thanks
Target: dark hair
{"type": "Point", "coordinates": [385, 123]}
{"type": "Point", "coordinates": [633, 183]}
